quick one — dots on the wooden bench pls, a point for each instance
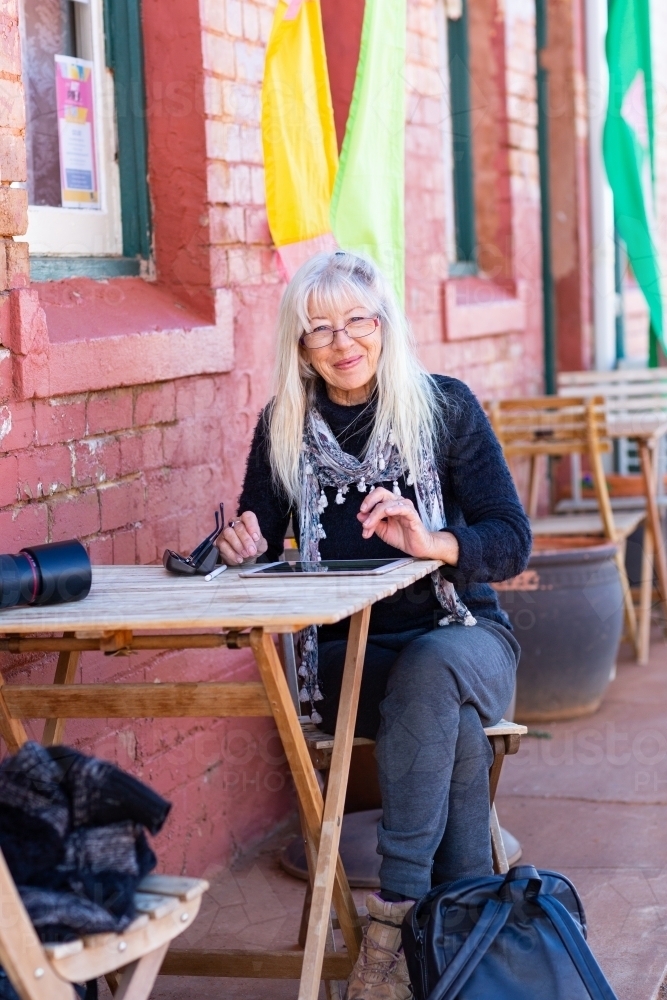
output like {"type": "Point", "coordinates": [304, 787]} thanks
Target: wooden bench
{"type": "Point", "coordinates": [131, 961]}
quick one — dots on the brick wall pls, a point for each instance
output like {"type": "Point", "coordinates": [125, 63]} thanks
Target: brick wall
{"type": "Point", "coordinates": [136, 468]}
{"type": "Point", "coordinates": [564, 59]}
{"type": "Point", "coordinates": [505, 161]}
{"type": "Point", "coordinates": [13, 169]}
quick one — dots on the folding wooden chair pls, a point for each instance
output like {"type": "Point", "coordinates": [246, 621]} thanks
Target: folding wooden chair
{"type": "Point", "coordinates": [130, 961]}
{"type": "Point", "coordinates": [553, 426]}
{"type": "Point", "coordinates": [635, 403]}
{"type": "Point", "coordinates": [505, 739]}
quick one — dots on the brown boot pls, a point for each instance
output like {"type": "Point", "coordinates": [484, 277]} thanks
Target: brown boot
{"type": "Point", "coordinates": [380, 972]}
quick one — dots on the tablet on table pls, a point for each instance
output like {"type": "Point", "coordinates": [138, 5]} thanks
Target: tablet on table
{"type": "Point", "coordinates": [333, 567]}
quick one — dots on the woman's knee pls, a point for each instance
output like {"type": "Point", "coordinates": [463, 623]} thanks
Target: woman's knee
{"type": "Point", "coordinates": [423, 667]}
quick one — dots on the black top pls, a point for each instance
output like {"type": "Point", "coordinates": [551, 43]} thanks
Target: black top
{"type": "Point", "coordinates": [481, 505]}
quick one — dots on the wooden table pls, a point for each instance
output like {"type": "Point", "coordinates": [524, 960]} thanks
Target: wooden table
{"type": "Point", "coordinates": [142, 608]}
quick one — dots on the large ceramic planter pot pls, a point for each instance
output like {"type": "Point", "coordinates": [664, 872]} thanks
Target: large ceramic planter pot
{"type": "Point", "coordinates": [567, 614]}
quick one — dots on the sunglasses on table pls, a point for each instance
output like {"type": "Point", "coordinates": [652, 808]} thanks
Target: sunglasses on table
{"type": "Point", "coordinates": [201, 560]}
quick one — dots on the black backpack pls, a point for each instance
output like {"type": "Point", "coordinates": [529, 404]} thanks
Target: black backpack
{"type": "Point", "coordinates": [515, 937]}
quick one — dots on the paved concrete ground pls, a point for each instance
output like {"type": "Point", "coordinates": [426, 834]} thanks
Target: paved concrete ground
{"type": "Point", "coordinates": [589, 801]}
{"type": "Point", "coordinates": [255, 905]}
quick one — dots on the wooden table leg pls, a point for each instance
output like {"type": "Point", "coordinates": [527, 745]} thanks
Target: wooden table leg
{"type": "Point", "coordinates": [11, 730]}
{"type": "Point", "coordinates": [628, 602]}
{"type": "Point", "coordinates": [654, 518]}
{"type": "Point", "coordinates": [645, 595]}
{"type": "Point", "coordinates": [68, 661]}
{"type": "Point", "coordinates": [304, 777]}
{"type": "Point", "coordinates": [534, 485]}
{"type": "Point", "coordinates": [607, 515]}
{"type": "Point", "coordinates": [333, 807]}
{"type": "Point", "coordinates": [331, 988]}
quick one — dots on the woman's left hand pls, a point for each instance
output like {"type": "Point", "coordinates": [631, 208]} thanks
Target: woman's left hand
{"type": "Point", "coordinates": [395, 520]}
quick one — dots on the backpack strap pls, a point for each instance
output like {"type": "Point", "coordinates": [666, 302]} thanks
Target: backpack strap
{"type": "Point", "coordinates": [583, 959]}
{"type": "Point", "coordinates": [493, 918]}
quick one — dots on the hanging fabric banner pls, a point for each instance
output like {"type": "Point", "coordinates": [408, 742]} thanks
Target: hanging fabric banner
{"type": "Point", "coordinates": [367, 211]}
{"type": "Point", "coordinates": [628, 145]}
{"type": "Point", "coordinates": [298, 134]}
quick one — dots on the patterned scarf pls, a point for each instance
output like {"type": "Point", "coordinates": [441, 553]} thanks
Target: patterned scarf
{"type": "Point", "coordinates": [324, 463]}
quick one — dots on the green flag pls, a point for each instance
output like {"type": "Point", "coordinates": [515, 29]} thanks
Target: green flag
{"type": "Point", "coordinates": [628, 146]}
{"type": "Point", "coordinates": [367, 208]}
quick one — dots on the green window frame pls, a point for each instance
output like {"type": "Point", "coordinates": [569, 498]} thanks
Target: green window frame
{"type": "Point", "coordinates": [125, 58]}
{"type": "Point", "coordinates": [548, 290]}
{"type": "Point", "coordinates": [462, 154]}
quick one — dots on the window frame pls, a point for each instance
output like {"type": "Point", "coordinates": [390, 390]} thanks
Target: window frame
{"type": "Point", "coordinates": [121, 228]}
{"type": "Point", "coordinates": [461, 235]}
{"type": "Point", "coordinates": [123, 37]}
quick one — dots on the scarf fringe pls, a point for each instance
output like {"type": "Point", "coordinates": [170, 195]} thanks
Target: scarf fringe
{"type": "Point", "coordinates": [324, 463]}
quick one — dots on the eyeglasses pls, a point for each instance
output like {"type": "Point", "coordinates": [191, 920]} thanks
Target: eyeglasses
{"type": "Point", "coordinates": [323, 336]}
{"type": "Point", "coordinates": [201, 560]}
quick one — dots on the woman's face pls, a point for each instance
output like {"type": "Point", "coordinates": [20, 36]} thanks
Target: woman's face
{"type": "Point", "coordinates": [348, 366]}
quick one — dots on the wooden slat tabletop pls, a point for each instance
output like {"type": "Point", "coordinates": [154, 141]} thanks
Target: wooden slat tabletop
{"type": "Point", "coordinates": [638, 425]}
{"type": "Point", "coordinates": [147, 598]}
{"type": "Point", "coordinates": [635, 400]}
{"type": "Point", "coordinates": [585, 524]}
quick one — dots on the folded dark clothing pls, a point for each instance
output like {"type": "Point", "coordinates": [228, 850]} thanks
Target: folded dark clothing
{"type": "Point", "coordinates": [65, 916]}
{"type": "Point", "coordinates": [30, 844]}
{"type": "Point", "coordinates": [72, 833]}
{"type": "Point", "coordinates": [66, 788]}
{"type": "Point", "coordinates": [104, 864]}
{"type": "Point", "coordinates": [101, 793]}
{"type": "Point", "coordinates": [31, 784]}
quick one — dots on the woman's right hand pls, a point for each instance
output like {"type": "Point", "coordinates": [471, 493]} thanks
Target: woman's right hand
{"type": "Point", "coordinates": [241, 540]}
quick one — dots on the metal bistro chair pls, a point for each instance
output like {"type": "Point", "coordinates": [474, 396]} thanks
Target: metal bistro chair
{"type": "Point", "coordinates": [557, 427]}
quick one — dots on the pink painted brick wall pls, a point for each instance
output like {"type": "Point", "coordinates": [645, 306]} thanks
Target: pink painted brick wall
{"type": "Point", "coordinates": [502, 364]}
{"type": "Point", "coordinates": [135, 469]}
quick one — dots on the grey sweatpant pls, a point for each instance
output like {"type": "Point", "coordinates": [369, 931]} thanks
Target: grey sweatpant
{"type": "Point", "coordinates": [431, 692]}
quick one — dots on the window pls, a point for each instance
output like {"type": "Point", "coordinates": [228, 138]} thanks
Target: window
{"type": "Point", "coordinates": [87, 188]}
{"type": "Point", "coordinates": [461, 236]}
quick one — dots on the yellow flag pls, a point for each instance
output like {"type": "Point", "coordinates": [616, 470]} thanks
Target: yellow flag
{"type": "Point", "coordinates": [298, 133]}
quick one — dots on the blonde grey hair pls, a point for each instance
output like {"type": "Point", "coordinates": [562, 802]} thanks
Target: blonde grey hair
{"type": "Point", "coordinates": [407, 397]}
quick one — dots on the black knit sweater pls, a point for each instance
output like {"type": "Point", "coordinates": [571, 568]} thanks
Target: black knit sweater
{"type": "Point", "coordinates": [482, 510]}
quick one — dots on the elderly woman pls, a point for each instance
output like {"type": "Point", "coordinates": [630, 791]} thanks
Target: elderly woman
{"type": "Point", "coordinates": [374, 457]}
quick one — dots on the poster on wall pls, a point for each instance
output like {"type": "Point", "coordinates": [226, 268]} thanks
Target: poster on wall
{"type": "Point", "coordinates": [76, 133]}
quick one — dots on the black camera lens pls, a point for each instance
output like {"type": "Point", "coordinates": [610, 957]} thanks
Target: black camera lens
{"type": "Point", "coordinates": [64, 570]}
{"type": "Point", "coordinates": [19, 581]}
{"type": "Point", "coordinates": [45, 574]}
